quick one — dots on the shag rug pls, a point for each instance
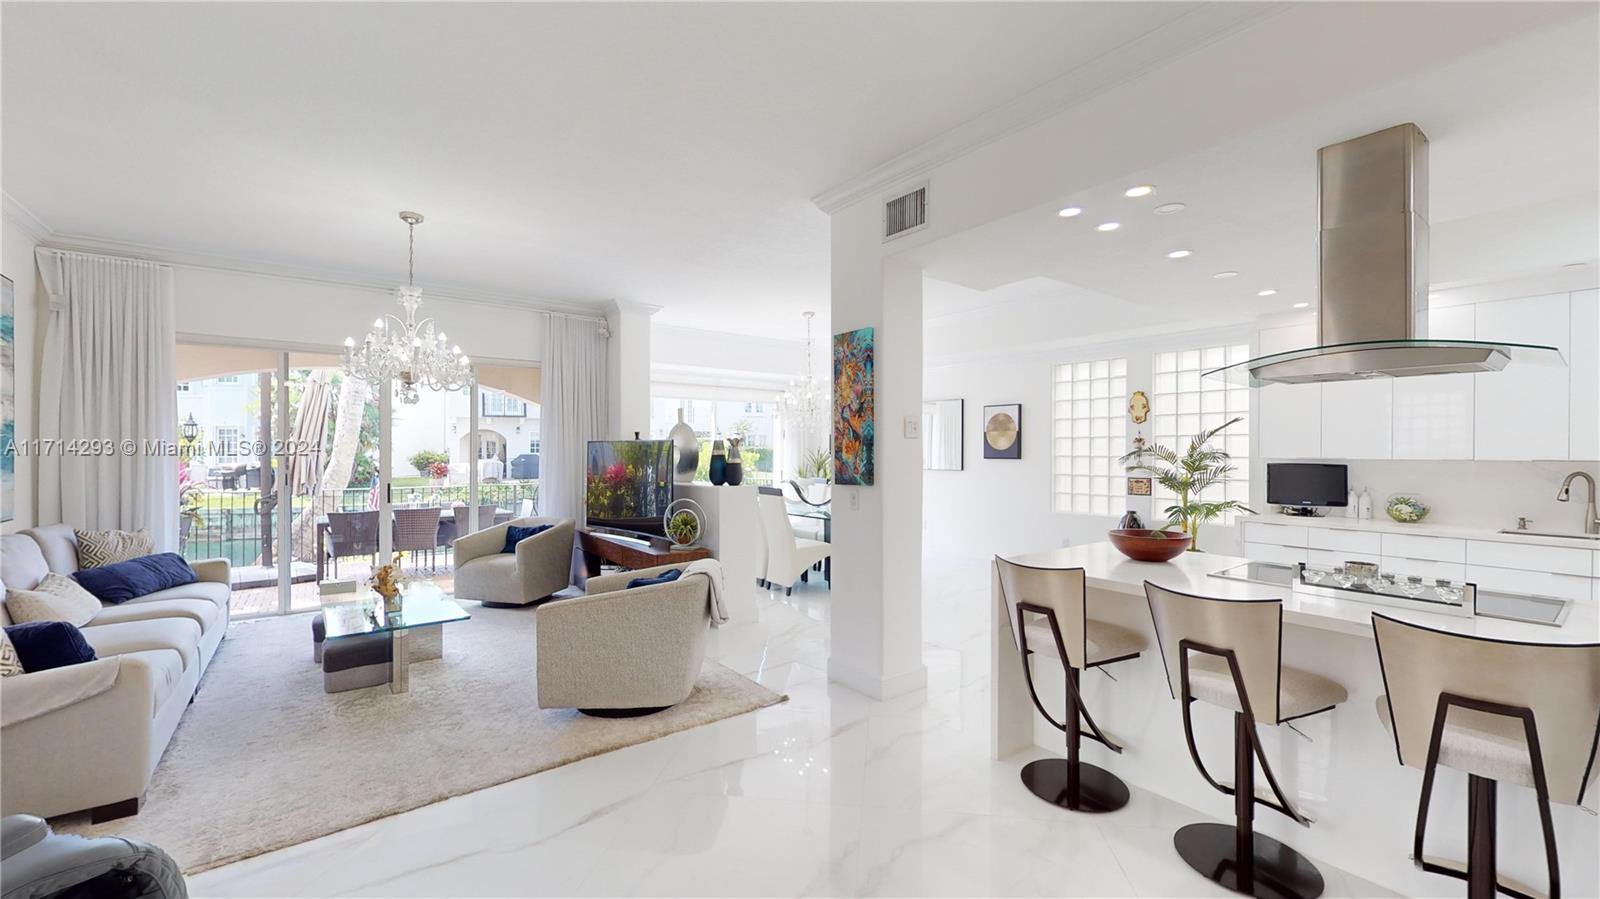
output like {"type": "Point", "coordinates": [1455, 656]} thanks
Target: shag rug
{"type": "Point", "coordinates": [264, 759]}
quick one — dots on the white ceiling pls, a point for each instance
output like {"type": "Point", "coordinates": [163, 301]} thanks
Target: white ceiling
{"type": "Point", "coordinates": [1514, 157]}
{"type": "Point", "coordinates": [655, 153]}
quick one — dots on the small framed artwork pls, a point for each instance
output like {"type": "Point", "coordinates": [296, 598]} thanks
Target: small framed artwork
{"type": "Point", "coordinates": [1138, 486]}
{"type": "Point", "coordinates": [1002, 431]}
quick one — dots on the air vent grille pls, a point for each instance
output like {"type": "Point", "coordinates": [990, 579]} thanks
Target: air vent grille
{"type": "Point", "coordinates": [905, 213]}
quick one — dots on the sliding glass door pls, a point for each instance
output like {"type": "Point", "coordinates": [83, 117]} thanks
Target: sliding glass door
{"type": "Point", "coordinates": [305, 479]}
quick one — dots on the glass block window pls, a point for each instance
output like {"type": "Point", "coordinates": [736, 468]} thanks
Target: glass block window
{"type": "Point", "coordinates": [1090, 431]}
{"type": "Point", "coordinates": [1183, 404]}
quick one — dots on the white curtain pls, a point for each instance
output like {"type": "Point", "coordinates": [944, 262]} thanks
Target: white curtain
{"type": "Point", "coordinates": [107, 392]}
{"type": "Point", "coordinates": [572, 410]}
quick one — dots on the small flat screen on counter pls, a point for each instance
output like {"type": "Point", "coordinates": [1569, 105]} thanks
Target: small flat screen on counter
{"type": "Point", "coordinates": [1307, 484]}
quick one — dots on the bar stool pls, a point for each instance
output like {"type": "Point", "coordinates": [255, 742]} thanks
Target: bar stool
{"type": "Point", "coordinates": [1503, 712]}
{"type": "Point", "coordinates": [1048, 611]}
{"type": "Point", "coordinates": [1229, 653]}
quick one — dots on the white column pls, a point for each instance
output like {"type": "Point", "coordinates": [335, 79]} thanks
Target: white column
{"type": "Point", "coordinates": [876, 624]}
{"type": "Point", "coordinates": [628, 369]}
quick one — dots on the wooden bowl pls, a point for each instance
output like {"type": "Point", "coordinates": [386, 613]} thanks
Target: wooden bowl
{"type": "Point", "coordinates": [1149, 546]}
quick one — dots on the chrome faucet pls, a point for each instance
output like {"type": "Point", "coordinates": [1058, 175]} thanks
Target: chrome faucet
{"type": "Point", "coordinates": [1591, 519]}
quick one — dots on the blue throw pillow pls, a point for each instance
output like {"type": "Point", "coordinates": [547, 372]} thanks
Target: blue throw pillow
{"type": "Point", "coordinates": [516, 534]}
{"type": "Point", "coordinates": [665, 577]}
{"type": "Point", "coordinates": [122, 581]}
{"type": "Point", "coordinates": [42, 645]}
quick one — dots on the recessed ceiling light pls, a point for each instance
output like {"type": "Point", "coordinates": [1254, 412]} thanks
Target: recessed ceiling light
{"type": "Point", "coordinates": [1168, 208]}
{"type": "Point", "coordinates": [1301, 305]}
{"type": "Point", "coordinates": [1107, 226]}
{"type": "Point", "coordinates": [1265, 293]}
{"type": "Point", "coordinates": [1069, 212]}
{"type": "Point", "coordinates": [1142, 190]}
{"type": "Point", "coordinates": [1179, 254]}
{"type": "Point", "coordinates": [1226, 275]}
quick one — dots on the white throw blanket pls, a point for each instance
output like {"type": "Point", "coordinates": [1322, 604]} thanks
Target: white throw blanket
{"type": "Point", "coordinates": [712, 569]}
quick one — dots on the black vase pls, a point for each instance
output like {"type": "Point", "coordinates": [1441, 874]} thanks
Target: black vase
{"type": "Point", "coordinates": [718, 470]}
{"type": "Point", "coordinates": [734, 474]}
{"type": "Point", "coordinates": [1131, 521]}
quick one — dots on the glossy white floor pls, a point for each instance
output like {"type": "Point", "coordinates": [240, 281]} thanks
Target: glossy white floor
{"type": "Point", "coordinates": [828, 794]}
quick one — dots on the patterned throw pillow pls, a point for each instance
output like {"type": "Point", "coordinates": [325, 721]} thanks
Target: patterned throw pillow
{"type": "Point", "coordinates": [99, 548]}
{"type": "Point", "coordinates": [57, 598]}
{"type": "Point", "coordinates": [9, 663]}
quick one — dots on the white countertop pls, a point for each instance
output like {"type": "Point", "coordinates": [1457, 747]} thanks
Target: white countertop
{"type": "Point", "coordinates": [1381, 522]}
{"type": "Point", "coordinates": [1111, 571]}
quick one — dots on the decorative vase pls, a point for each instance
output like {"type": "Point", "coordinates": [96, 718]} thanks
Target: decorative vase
{"type": "Point", "coordinates": [1130, 521]}
{"type": "Point", "coordinates": [687, 446]}
{"type": "Point", "coordinates": [733, 472]}
{"type": "Point", "coordinates": [718, 469]}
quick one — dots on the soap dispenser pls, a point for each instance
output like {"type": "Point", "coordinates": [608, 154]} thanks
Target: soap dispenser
{"type": "Point", "coordinates": [1366, 504]}
{"type": "Point", "coordinates": [1350, 508]}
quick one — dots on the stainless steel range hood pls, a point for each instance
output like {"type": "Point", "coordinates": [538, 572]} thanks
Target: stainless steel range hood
{"type": "Point", "coordinates": [1372, 322]}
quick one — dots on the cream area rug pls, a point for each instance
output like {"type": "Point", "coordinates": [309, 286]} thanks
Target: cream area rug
{"type": "Point", "coordinates": [264, 759]}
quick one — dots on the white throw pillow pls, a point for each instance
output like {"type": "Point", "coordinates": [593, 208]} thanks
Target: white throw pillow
{"type": "Point", "coordinates": [100, 548]}
{"type": "Point", "coordinates": [57, 598]}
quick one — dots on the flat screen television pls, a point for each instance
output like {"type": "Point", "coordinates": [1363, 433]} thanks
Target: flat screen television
{"type": "Point", "coordinates": [629, 485]}
{"type": "Point", "coordinates": [1304, 485]}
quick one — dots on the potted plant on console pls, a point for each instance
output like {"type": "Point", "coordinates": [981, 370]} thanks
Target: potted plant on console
{"type": "Point", "coordinates": [1188, 476]}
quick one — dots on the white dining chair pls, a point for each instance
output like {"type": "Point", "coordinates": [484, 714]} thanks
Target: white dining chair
{"type": "Point", "coordinates": [789, 558]}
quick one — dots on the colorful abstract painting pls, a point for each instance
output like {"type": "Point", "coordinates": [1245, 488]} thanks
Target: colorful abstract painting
{"type": "Point", "coordinates": [852, 407]}
{"type": "Point", "coordinates": [8, 404]}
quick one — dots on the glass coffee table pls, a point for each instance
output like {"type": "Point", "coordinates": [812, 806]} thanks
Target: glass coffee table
{"type": "Point", "coordinates": [422, 605]}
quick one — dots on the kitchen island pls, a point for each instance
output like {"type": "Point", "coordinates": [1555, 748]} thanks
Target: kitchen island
{"type": "Point", "coordinates": [1340, 767]}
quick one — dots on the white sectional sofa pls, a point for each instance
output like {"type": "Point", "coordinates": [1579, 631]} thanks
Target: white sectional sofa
{"type": "Point", "coordinates": [89, 736]}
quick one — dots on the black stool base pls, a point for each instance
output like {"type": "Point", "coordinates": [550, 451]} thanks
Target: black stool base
{"type": "Point", "coordinates": [1280, 872]}
{"type": "Point", "coordinates": [1098, 789]}
{"type": "Point", "coordinates": [625, 713]}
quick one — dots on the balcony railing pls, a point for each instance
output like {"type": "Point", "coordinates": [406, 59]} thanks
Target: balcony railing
{"type": "Point", "coordinates": [242, 525]}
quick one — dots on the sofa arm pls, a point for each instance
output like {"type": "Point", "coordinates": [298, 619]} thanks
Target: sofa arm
{"type": "Point", "coordinates": [610, 583]}
{"type": "Point", "coordinates": [27, 696]}
{"type": "Point", "coordinates": [215, 571]}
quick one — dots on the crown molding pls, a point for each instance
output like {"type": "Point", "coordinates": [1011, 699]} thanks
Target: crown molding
{"type": "Point", "coordinates": [217, 262]}
{"type": "Point", "coordinates": [1190, 32]}
{"type": "Point", "coordinates": [24, 218]}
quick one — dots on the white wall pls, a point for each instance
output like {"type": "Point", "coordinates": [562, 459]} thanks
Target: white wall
{"type": "Point", "coordinates": [295, 312]}
{"type": "Point", "coordinates": [17, 263]}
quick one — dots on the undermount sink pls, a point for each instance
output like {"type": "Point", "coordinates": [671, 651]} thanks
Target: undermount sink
{"type": "Point", "coordinates": [1549, 534]}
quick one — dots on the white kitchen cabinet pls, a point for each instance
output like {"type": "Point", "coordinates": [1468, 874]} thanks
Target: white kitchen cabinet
{"type": "Point", "coordinates": [1358, 419]}
{"type": "Point", "coordinates": [1433, 413]}
{"type": "Point", "coordinates": [1584, 376]}
{"type": "Point", "coordinates": [1267, 552]}
{"type": "Point", "coordinates": [1522, 413]}
{"type": "Point", "coordinates": [1290, 414]}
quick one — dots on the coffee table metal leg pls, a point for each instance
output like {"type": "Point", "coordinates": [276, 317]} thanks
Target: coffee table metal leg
{"type": "Point", "coordinates": [399, 662]}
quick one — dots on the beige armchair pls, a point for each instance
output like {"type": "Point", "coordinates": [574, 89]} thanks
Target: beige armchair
{"type": "Point", "coordinates": [541, 566]}
{"type": "Point", "coordinates": [618, 653]}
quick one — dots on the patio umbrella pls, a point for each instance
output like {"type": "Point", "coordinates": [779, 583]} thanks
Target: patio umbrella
{"type": "Point", "coordinates": [308, 436]}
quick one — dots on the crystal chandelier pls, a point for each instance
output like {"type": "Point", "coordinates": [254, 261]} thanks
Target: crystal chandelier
{"type": "Point", "coordinates": [408, 351]}
{"type": "Point", "coordinates": [804, 405]}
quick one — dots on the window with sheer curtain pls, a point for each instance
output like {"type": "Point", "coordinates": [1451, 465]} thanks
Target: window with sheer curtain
{"type": "Point", "coordinates": [1183, 404]}
{"type": "Point", "coordinates": [1090, 433]}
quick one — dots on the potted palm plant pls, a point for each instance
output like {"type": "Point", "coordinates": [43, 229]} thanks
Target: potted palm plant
{"type": "Point", "coordinates": [1187, 476]}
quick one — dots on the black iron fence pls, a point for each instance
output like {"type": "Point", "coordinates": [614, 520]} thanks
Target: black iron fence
{"type": "Point", "coordinates": [242, 525]}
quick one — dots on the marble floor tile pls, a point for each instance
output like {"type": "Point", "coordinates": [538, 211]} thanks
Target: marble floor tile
{"type": "Point", "coordinates": [828, 794]}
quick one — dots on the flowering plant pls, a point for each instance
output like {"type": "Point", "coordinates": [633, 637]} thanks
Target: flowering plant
{"type": "Point", "coordinates": [439, 470]}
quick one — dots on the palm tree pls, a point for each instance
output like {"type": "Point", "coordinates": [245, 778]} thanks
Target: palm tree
{"type": "Point", "coordinates": [1187, 476]}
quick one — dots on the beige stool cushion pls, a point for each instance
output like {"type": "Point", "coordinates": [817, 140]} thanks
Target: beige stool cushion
{"type": "Point", "coordinates": [1299, 692]}
{"type": "Point", "coordinates": [1491, 746]}
{"type": "Point", "coordinates": [1104, 641]}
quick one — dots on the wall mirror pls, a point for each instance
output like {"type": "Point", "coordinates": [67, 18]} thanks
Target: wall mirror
{"type": "Point", "coordinates": [943, 434]}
